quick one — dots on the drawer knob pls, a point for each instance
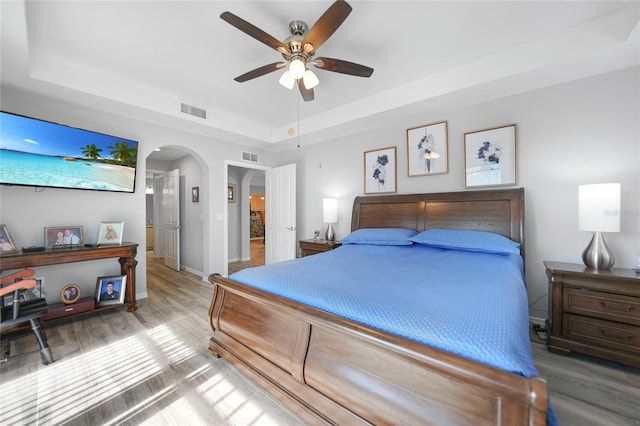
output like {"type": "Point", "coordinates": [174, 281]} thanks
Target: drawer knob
{"type": "Point", "coordinates": [629, 308]}
{"type": "Point", "coordinates": [629, 336]}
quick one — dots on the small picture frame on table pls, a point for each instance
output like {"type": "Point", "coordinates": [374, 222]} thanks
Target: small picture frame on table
{"type": "Point", "coordinates": [111, 290]}
{"type": "Point", "coordinates": [6, 241]}
{"type": "Point", "coordinates": [70, 294]}
{"type": "Point", "coordinates": [490, 157]}
{"type": "Point", "coordinates": [110, 233]}
{"type": "Point", "coordinates": [63, 236]}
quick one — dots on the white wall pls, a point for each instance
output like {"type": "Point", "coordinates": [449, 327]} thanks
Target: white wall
{"type": "Point", "coordinates": [191, 214]}
{"type": "Point", "coordinates": [26, 212]}
{"type": "Point", "coordinates": [575, 133]}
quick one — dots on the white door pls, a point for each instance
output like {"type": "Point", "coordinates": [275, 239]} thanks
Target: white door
{"type": "Point", "coordinates": [280, 227]}
{"type": "Point", "coordinates": [170, 219]}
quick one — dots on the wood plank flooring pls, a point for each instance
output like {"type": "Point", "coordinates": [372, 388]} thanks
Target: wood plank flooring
{"type": "Point", "coordinates": [153, 367]}
{"type": "Point", "coordinates": [256, 254]}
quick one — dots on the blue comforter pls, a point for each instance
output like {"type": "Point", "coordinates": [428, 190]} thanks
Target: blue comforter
{"type": "Point", "coordinates": [471, 304]}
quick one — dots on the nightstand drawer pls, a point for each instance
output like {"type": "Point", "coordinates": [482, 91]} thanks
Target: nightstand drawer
{"type": "Point", "coordinates": [603, 333]}
{"type": "Point", "coordinates": [614, 307]}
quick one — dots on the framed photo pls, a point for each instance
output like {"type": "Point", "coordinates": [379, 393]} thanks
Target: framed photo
{"type": "Point", "coordinates": [70, 294]}
{"type": "Point", "coordinates": [63, 236]}
{"type": "Point", "coordinates": [111, 290]}
{"type": "Point", "coordinates": [195, 194]}
{"type": "Point", "coordinates": [6, 242]}
{"type": "Point", "coordinates": [110, 233]}
{"type": "Point", "coordinates": [427, 149]}
{"type": "Point", "coordinates": [380, 171]}
{"type": "Point", "coordinates": [490, 157]}
{"type": "Point", "coordinates": [231, 193]}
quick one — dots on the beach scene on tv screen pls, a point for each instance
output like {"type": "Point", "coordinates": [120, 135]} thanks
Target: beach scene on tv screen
{"type": "Point", "coordinates": [40, 153]}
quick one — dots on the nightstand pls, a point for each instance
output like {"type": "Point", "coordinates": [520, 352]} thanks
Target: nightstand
{"type": "Point", "coordinates": [309, 247]}
{"type": "Point", "coordinates": [594, 312]}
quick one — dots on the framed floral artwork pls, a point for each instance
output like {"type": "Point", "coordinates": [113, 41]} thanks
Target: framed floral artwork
{"type": "Point", "coordinates": [427, 149]}
{"type": "Point", "coordinates": [490, 157]}
{"type": "Point", "coordinates": [380, 171]}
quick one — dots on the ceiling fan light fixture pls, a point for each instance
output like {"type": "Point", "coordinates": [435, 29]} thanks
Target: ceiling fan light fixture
{"type": "Point", "coordinates": [287, 80]}
{"type": "Point", "coordinates": [310, 80]}
{"type": "Point", "coordinates": [297, 68]}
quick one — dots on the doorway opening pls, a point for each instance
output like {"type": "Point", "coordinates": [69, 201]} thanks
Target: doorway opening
{"type": "Point", "coordinates": [246, 216]}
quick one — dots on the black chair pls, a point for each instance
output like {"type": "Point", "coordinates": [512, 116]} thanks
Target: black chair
{"type": "Point", "coordinates": [14, 317]}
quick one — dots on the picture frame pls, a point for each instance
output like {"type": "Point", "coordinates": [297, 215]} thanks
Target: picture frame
{"type": "Point", "coordinates": [63, 236]}
{"type": "Point", "coordinates": [111, 290]}
{"type": "Point", "coordinates": [380, 171]}
{"type": "Point", "coordinates": [70, 294]}
{"type": "Point", "coordinates": [231, 193]}
{"type": "Point", "coordinates": [7, 245]}
{"type": "Point", "coordinates": [428, 149]}
{"type": "Point", "coordinates": [195, 194]}
{"type": "Point", "coordinates": [110, 233]}
{"type": "Point", "coordinates": [490, 157]}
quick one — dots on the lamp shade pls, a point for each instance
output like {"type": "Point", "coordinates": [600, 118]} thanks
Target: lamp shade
{"type": "Point", "coordinates": [287, 80]}
{"type": "Point", "coordinates": [329, 210]}
{"type": "Point", "coordinates": [297, 68]}
{"type": "Point", "coordinates": [310, 80]}
{"type": "Point", "coordinates": [599, 207]}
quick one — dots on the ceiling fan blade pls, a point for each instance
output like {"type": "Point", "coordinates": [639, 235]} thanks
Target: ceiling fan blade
{"type": "Point", "coordinates": [327, 24]}
{"type": "Point", "coordinates": [307, 94]}
{"type": "Point", "coordinates": [344, 67]}
{"type": "Point", "coordinates": [254, 32]}
{"type": "Point", "coordinates": [266, 69]}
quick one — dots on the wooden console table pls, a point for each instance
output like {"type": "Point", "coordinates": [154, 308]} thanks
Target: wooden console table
{"type": "Point", "coordinates": [126, 254]}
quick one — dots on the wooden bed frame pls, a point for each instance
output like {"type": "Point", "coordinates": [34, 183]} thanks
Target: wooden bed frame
{"type": "Point", "coordinates": [331, 370]}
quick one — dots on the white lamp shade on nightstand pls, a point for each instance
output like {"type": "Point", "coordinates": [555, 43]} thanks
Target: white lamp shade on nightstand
{"type": "Point", "coordinates": [599, 207]}
{"type": "Point", "coordinates": [330, 216]}
{"type": "Point", "coordinates": [599, 211]}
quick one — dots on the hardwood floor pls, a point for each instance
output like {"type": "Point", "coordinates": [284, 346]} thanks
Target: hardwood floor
{"type": "Point", "coordinates": [257, 257]}
{"type": "Point", "coordinates": [153, 367]}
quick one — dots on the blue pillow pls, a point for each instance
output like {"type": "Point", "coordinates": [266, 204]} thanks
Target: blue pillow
{"type": "Point", "coordinates": [460, 239]}
{"type": "Point", "coordinates": [381, 237]}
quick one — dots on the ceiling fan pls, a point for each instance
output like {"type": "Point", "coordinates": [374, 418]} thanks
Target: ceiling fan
{"type": "Point", "coordinates": [299, 50]}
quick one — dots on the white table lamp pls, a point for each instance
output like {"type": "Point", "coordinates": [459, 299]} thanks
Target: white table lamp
{"type": "Point", "coordinates": [330, 216]}
{"type": "Point", "coordinates": [599, 211]}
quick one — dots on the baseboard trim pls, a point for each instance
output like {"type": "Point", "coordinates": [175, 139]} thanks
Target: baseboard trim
{"type": "Point", "coordinates": [539, 321]}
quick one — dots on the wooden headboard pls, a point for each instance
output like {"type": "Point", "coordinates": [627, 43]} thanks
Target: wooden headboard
{"type": "Point", "coordinates": [499, 211]}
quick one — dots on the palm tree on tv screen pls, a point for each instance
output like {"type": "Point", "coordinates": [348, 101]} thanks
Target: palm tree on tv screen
{"type": "Point", "coordinates": [123, 153]}
{"type": "Point", "coordinates": [91, 152]}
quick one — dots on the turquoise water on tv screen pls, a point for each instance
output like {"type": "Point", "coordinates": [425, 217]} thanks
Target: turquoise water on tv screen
{"type": "Point", "coordinates": [22, 168]}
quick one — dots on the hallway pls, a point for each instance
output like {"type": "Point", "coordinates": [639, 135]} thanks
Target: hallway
{"type": "Point", "coordinates": [257, 257]}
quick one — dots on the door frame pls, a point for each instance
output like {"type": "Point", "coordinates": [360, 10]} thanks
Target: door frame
{"type": "Point", "coordinates": [225, 211]}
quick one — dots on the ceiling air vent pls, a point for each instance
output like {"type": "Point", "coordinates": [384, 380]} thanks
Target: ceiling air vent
{"type": "Point", "coordinates": [249, 156]}
{"type": "Point", "coordinates": [192, 110]}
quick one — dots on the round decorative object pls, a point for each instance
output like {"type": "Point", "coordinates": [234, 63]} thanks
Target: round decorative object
{"type": "Point", "coordinates": [69, 294]}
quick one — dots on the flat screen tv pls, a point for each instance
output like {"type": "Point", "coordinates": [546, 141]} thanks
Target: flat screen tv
{"type": "Point", "coordinates": [43, 154]}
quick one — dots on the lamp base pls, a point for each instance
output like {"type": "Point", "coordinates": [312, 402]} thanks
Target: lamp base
{"type": "Point", "coordinates": [329, 235]}
{"type": "Point", "coordinates": [597, 255]}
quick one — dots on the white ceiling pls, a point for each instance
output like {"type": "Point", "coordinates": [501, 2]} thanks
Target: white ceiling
{"type": "Point", "coordinates": [143, 59]}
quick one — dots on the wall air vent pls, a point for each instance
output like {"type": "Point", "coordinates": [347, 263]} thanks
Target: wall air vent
{"type": "Point", "coordinates": [249, 156]}
{"type": "Point", "coordinates": [192, 110]}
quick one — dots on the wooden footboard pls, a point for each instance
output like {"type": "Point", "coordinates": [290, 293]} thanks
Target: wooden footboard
{"type": "Point", "coordinates": [328, 369]}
